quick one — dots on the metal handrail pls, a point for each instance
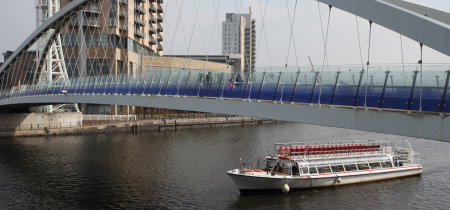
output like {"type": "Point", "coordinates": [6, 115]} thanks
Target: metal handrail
{"type": "Point", "coordinates": [139, 20]}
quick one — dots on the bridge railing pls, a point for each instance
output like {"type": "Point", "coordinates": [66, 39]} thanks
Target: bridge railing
{"type": "Point", "coordinates": [381, 87]}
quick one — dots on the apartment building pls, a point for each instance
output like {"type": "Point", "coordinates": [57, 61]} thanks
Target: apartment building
{"type": "Point", "coordinates": [129, 30]}
{"type": "Point", "coordinates": [239, 37]}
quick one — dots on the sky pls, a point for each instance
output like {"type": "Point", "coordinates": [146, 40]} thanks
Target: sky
{"type": "Point", "coordinates": [17, 21]}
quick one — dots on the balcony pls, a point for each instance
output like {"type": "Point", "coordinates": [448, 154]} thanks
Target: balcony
{"type": "Point", "coordinates": [160, 38]}
{"type": "Point", "coordinates": [159, 28]}
{"type": "Point", "coordinates": [151, 29]}
{"type": "Point", "coordinates": [139, 21]}
{"type": "Point", "coordinates": [42, 3]}
{"type": "Point", "coordinates": [139, 33]}
{"type": "Point", "coordinates": [123, 14]}
{"type": "Point", "coordinates": [159, 1]}
{"type": "Point", "coordinates": [160, 47]}
{"type": "Point", "coordinates": [139, 9]}
{"type": "Point", "coordinates": [93, 9]}
{"type": "Point", "coordinates": [160, 19]}
{"type": "Point", "coordinates": [87, 22]}
{"type": "Point", "coordinates": [123, 26]}
{"type": "Point", "coordinates": [123, 1]}
{"type": "Point", "coordinates": [152, 8]}
{"type": "Point", "coordinates": [151, 40]}
{"type": "Point", "coordinates": [159, 7]}
{"type": "Point", "coordinates": [152, 19]}
{"type": "Point", "coordinates": [139, 1]}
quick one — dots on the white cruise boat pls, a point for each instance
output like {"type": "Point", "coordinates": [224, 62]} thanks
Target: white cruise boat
{"type": "Point", "coordinates": [323, 164]}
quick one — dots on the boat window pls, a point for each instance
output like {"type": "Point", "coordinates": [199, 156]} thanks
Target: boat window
{"type": "Point", "coordinates": [304, 170]}
{"type": "Point", "coordinates": [312, 170]}
{"type": "Point", "coordinates": [324, 170]}
{"type": "Point", "coordinates": [338, 168]}
{"type": "Point", "coordinates": [374, 165]}
{"type": "Point", "coordinates": [351, 167]}
{"type": "Point", "coordinates": [363, 166]}
{"type": "Point", "coordinates": [282, 167]}
{"type": "Point", "coordinates": [386, 164]}
{"type": "Point", "coordinates": [295, 168]}
{"type": "Point", "coordinates": [267, 164]}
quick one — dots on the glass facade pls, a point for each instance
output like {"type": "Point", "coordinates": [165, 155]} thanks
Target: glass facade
{"type": "Point", "coordinates": [97, 109]}
{"type": "Point", "coordinates": [97, 67]}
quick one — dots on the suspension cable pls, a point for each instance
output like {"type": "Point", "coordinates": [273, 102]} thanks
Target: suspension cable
{"type": "Point", "coordinates": [263, 28]}
{"type": "Point", "coordinates": [421, 62]}
{"type": "Point", "coordinates": [359, 41]}
{"type": "Point", "coordinates": [325, 49]}
{"type": "Point", "coordinates": [403, 62]}
{"type": "Point", "coordinates": [368, 63]}
{"type": "Point", "coordinates": [289, 46]}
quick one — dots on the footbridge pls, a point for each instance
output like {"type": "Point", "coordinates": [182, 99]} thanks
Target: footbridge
{"type": "Point", "coordinates": [403, 100]}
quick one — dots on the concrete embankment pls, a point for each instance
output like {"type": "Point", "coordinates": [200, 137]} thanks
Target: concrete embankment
{"type": "Point", "coordinates": [137, 126]}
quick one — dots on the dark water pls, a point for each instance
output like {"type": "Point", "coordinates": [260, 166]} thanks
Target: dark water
{"type": "Point", "coordinates": [186, 170]}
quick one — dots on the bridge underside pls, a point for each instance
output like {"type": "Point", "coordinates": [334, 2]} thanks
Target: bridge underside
{"type": "Point", "coordinates": [399, 123]}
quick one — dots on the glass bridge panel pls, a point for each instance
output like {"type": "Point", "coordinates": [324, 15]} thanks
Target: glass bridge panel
{"type": "Point", "coordinates": [270, 85]}
{"type": "Point", "coordinates": [347, 86]}
{"type": "Point", "coordinates": [305, 85]}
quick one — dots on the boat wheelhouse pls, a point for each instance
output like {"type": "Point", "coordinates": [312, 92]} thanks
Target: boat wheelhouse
{"type": "Point", "coordinates": [322, 164]}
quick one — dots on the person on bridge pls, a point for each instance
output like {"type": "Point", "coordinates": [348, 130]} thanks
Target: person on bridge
{"type": "Point", "coordinates": [231, 81]}
{"type": "Point", "coordinates": [239, 81]}
{"type": "Point", "coordinates": [208, 80]}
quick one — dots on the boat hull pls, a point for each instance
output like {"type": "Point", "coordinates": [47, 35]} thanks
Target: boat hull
{"type": "Point", "coordinates": [246, 182]}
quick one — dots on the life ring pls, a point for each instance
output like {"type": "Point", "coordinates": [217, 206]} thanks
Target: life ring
{"type": "Point", "coordinates": [248, 170]}
{"type": "Point", "coordinates": [285, 157]}
{"type": "Point", "coordinates": [258, 170]}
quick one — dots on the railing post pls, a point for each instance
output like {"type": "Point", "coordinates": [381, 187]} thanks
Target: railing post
{"type": "Point", "coordinates": [262, 85]}
{"type": "Point", "coordinates": [314, 88]}
{"type": "Point", "coordinates": [295, 87]}
{"type": "Point", "coordinates": [196, 85]}
{"type": "Point", "coordinates": [143, 83]}
{"type": "Point", "coordinates": [176, 84]}
{"type": "Point", "coordinates": [380, 103]}
{"type": "Point", "coordinates": [441, 108]}
{"type": "Point", "coordinates": [168, 83]}
{"type": "Point", "coordinates": [335, 88]}
{"type": "Point", "coordinates": [187, 82]}
{"type": "Point", "coordinates": [246, 85]}
{"type": "Point", "coordinates": [157, 87]}
{"type": "Point", "coordinates": [355, 100]}
{"type": "Point", "coordinates": [151, 84]}
{"type": "Point", "coordinates": [278, 86]}
{"type": "Point", "coordinates": [412, 91]}
{"type": "Point", "coordinates": [220, 84]}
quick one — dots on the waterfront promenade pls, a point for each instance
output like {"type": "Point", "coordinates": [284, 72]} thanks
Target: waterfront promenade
{"type": "Point", "coordinates": [134, 124]}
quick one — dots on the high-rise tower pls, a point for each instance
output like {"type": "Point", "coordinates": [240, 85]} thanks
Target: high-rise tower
{"type": "Point", "coordinates": [239, 37]}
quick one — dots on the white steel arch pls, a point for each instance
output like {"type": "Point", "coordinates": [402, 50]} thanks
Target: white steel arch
{"type": "Point", "coordinates": [425, 30]}
{"type": "Point", "coordinates": [57, 19]}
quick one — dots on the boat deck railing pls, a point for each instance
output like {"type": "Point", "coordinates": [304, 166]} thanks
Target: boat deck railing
{"type": "Point", "coordinates": [333, 149]}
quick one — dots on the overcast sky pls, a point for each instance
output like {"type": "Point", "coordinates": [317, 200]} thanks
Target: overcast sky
{"type": "Point", "coordinates": [17, 21]}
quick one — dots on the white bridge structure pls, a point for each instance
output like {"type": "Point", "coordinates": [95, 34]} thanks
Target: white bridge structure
{"type": "Point", "coordinates": [391, 101]}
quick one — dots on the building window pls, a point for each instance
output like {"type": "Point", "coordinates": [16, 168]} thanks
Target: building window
{"type": "Point", "coordinates": [130, 68]}
{"type": "Point", "coordinates": [72, 67]}
{"type": "Point", "coordinates": [113, 14]}
{"type": "Point", "coordinates": [119, 67]}
{"type": "Point", "coordinates": [96, 109]}
{"type": "Point", "coordinates": [97, 67]}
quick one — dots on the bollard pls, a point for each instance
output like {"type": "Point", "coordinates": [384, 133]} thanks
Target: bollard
{"type": "Point", "coordinates": [19, 127]}
{"type": "Point", "coordinates": [60, 126]}
{"type": "Point", "coordinates": [70, 124]}
{"type": "Point", "coordinates": [31, 126]}
{"type": "Point", "coordinates": [108, 122]}
{"type": "Point", "coordinates": [38, 126]}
